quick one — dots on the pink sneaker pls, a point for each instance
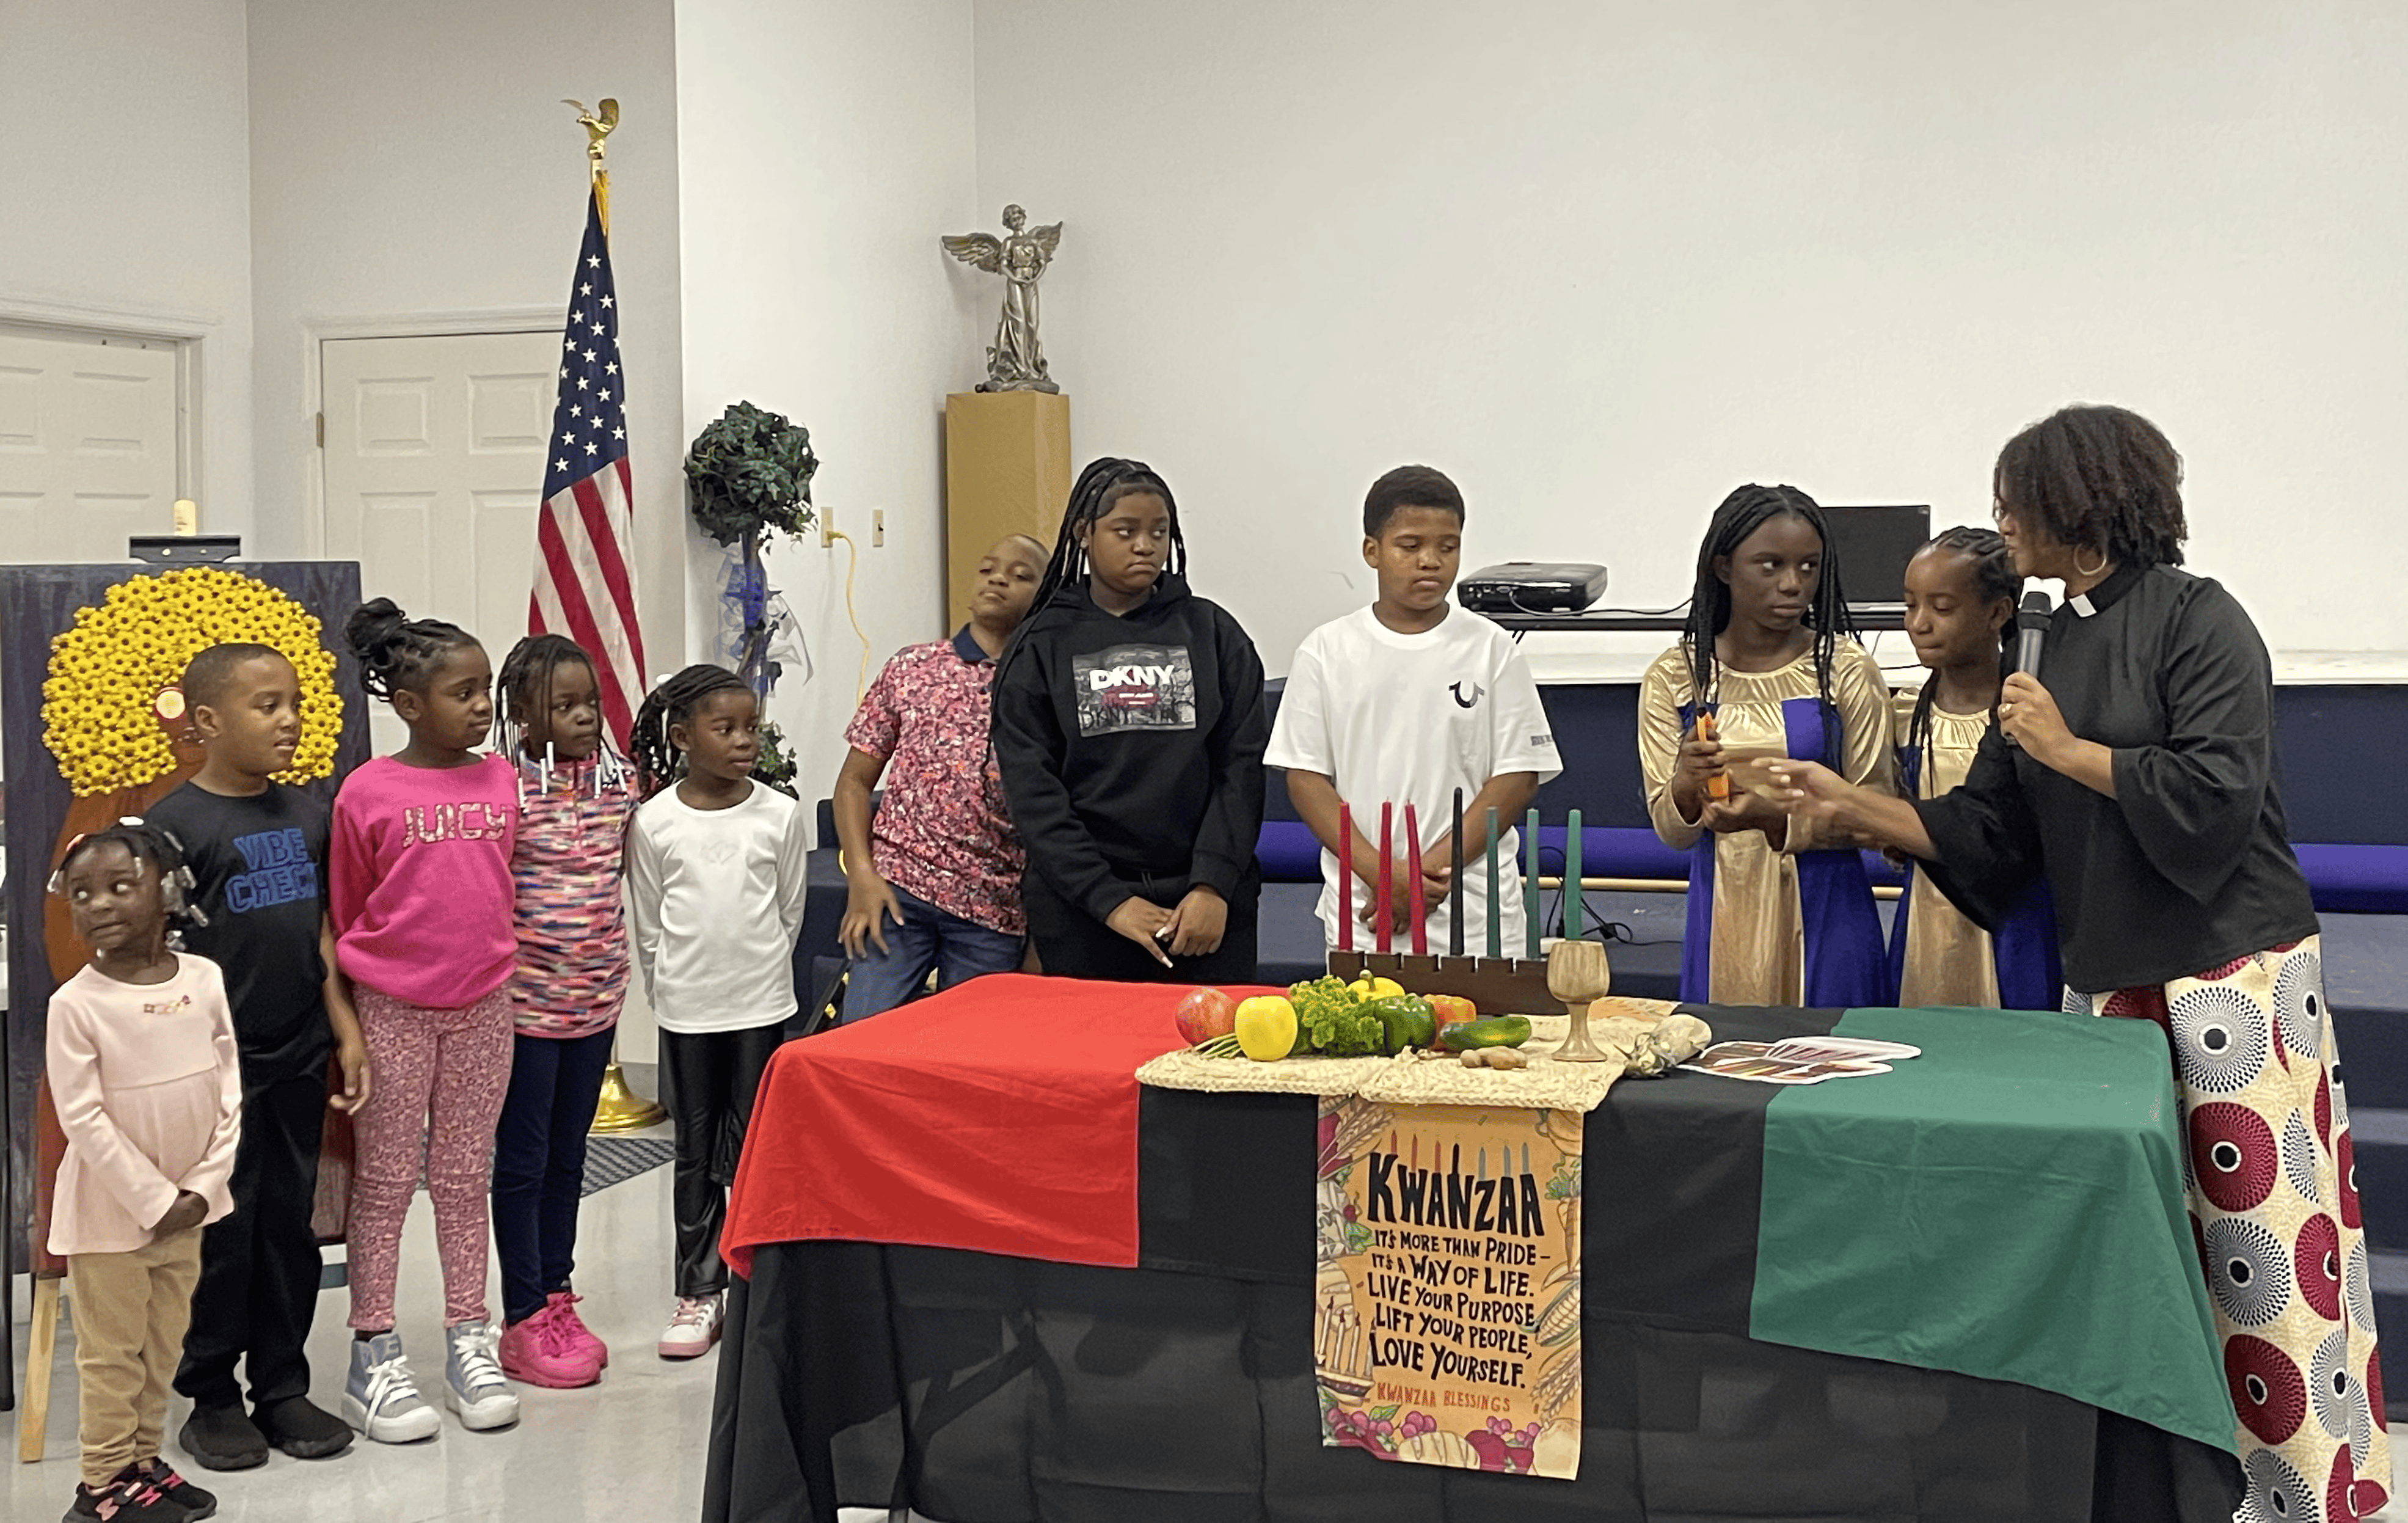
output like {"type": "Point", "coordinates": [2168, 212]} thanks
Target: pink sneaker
{"type": "Point", "coordinates": [562, 1307]}
{"type": "Point", "coordinates": [539, 1352]}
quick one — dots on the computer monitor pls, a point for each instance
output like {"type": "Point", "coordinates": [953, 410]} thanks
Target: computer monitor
{"type": "Point", "coordinates": [1873, 546]}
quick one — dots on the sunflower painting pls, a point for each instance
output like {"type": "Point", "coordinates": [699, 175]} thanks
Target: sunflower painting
{"type": "Point", "coordinates": [86, 653]}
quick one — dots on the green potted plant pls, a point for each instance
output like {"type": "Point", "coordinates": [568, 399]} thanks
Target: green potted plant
{"type": "Point", "coordinates": [748, 476]}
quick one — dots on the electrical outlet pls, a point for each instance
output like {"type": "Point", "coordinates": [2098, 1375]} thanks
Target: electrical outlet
{"type": "Point", "coordinates": [876, 528]}
{"type": "Point", "coordinates": [827, 528]}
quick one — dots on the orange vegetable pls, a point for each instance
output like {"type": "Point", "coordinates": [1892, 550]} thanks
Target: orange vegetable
{"type": "Point", "coordinates": [1452, 1007]}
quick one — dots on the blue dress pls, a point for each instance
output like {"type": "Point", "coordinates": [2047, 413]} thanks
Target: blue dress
{"type": "Point", "coordinates": [1937, 956]}
{"type": "Point", "coordinates": [1788, 925]}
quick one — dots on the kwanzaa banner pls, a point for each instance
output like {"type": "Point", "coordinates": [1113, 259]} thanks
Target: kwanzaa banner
{"type": "Point", "coordinates": [1447, 1299]}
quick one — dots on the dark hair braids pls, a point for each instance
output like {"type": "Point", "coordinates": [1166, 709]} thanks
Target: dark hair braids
{"type": "Point", "coordinates": [397, 652]}
{"type": "Point", "coordinates": [524, 689]}
{"type": "Point", "coordinates": [1741, 513]}
{"type": "Point", "coordinates": [1994, 577]}
{"type": "Point", "coordinates": [2099, 478]}
{"type": "Point", "coordinates": [658, 762]}
{"type": "Point", "coordinates": [1105, 482]}
{"type": "Point", "coordinates": [144, 842]}
{"type": "Point", "coordinates": [1409, 486]}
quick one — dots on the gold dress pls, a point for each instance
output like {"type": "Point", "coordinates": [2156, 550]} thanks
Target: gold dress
{"type": "Point", "coordinates": [1948, 960]}
{"type": "Point", "coordinates": [1747, 938]}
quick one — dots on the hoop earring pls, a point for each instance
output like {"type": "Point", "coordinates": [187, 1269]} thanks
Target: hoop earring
{"type": "Point", "coordinates": [2082, 571]}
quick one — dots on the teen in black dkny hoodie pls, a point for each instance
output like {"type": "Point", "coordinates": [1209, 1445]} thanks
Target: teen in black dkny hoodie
{"type": "Point", "coordinates": [1128, 722]}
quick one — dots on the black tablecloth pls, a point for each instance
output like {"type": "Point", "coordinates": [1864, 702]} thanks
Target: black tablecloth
{"type": "Point", "coordinates": [979, 1389]}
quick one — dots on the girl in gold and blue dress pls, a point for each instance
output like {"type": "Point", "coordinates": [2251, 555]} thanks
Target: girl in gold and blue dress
{"type": "Point", "coordinates": [1781, 909]}
{"type": "Point", "coordinates": [1960, 613]}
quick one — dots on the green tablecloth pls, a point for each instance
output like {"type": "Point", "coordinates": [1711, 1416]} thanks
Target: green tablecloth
{"type": "Point", "coordinates": [2009, 1205]}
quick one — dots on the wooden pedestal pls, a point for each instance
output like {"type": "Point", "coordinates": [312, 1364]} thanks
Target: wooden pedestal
{"type": "Point", "coordinates": [1007, 471]}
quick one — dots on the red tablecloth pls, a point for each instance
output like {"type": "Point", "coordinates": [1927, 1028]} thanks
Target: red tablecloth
{"type": "Point", "coordinates": [1000, 1116]}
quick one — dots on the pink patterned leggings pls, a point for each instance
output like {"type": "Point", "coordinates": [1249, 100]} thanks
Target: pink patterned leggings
{"type": "Point", "coordinates": [449, 1068]}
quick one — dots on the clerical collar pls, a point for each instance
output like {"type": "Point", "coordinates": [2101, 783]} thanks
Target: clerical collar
{"type": "Point", "coordinates": [968, 648]}
{"type": "Point", "coordinates": [2103, 596]}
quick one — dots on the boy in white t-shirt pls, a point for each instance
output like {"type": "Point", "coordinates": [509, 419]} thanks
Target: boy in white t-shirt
{"type": "Point", "coordinates": [1404, 703]}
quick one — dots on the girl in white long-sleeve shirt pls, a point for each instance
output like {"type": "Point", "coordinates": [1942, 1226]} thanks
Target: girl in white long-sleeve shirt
{"type": "Point", "coordinates": [715, 879]}
{"type": "Point", "coordinates": [144, 1072]}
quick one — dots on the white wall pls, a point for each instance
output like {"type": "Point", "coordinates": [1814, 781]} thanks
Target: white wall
{"type": "Point", "coordinates": [412, 162]}
{"type": "Point", "coordinates": [124, 195]}
{"type": "Point", "coordinates": [1604, 262]}
{"type": "Point", "coordinates": [823, 148]}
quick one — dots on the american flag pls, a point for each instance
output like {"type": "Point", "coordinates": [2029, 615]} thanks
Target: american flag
{"type": "Point", "coordinates": [582, 587]}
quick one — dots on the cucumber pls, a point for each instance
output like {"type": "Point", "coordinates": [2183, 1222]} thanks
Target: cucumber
{"type": "Point", "coordinates": [1487, 1031]}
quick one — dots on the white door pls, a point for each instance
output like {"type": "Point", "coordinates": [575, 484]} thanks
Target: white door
{"type": "Point", "coordinates": [88, 450]}
{"type": "Point", "coordinates": [434, 468]}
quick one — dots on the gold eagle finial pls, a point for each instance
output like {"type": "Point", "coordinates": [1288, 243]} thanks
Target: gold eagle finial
{"type": "Point", "coordinates": [599, 125]}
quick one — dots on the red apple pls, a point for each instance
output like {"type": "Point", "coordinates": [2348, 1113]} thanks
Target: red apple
{"type": "Point", "coordinates": [1206, 1013]}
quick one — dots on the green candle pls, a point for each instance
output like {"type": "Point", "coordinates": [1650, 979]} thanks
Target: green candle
{"type": "Point", "coordinates": [1496, 910]}
{"type": "Point", "coordinates": [1531, 879]}
{"type": "Point", "coordinates": [1575, 924]}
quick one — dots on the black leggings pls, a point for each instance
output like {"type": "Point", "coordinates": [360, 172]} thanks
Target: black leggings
{"type": "Point", "coordinates": [707, 1082]}
{"type": "Point", "coordinates": [1072, 944]}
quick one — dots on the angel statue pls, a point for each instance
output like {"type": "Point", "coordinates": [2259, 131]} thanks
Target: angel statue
{"type": "Point", "coordinates": [1015, 362]}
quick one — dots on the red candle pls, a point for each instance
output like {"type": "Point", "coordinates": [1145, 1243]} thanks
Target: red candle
{"type": "Point", "coordinates": [1413, 865]}
{"type": "Point", "coordinates": [1386, 823]}
{"type": "Point", "coordinates": [1345, 877]}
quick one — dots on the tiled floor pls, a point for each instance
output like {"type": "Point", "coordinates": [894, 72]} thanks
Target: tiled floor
{"type": "Point", "coordinates": [630, 1450]}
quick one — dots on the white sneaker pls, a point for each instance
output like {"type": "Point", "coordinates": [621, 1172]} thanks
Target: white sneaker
{"type": "Point", "coordinates": [694, 1327]}
{"type": "Point", "coordinates": [378, 1398]}
{"type": "Point", "coordinates": [473, 1385]}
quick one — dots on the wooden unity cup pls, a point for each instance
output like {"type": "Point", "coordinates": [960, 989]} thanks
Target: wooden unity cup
{"type": "Point", "coordinates": [1577, 974]}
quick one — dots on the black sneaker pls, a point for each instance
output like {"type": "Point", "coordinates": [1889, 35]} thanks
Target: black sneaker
{"type": "Point", "coordinates": [222, 1438]}
{"type": "Point", "coordinates": [127, 1497]}
{"type": "Point", "coordinates": [196, 1502]}
{"type": "Point", "coordinates": [302, 1428]}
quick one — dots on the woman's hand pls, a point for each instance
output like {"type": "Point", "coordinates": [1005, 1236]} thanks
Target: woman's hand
{"type": "Point", "coordinates": [1809, 790]}
{"type": "Point", "coordinates": [1142, 921]}
{"type": "Point", "coordinates": [186, 1213]}
{"type": "Point", "coordinates": [1197, 926]}
{"type": "Point", "coordinates": [2029, 715]}
{"type": "Point", "coordinates": [1746, 809]}
{"type": "Point", "coordinates": [868, 903]}
{"type": "Point", "coordinates": [1698, 760]}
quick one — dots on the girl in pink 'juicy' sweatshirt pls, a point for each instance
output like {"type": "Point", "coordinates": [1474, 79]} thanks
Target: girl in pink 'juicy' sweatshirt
{"type": "Point", "coordinates": [420, 892]}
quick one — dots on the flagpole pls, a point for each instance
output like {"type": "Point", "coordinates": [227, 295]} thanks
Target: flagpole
{"type": "Point", "coordinates": [620, 1109]}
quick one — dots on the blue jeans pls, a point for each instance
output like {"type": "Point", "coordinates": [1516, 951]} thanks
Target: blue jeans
{"type": "Point", "coordinates": [539, 1164]}
{"type": "Point", "coordinates": [959, 950]}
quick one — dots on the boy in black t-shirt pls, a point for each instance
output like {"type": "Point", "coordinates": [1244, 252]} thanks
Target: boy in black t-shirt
{"type": "Point", "coordinates": [258, 854]}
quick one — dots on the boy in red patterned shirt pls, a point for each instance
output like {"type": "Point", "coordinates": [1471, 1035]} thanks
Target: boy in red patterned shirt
{"type": "Point", "coordinates": [934, 878]}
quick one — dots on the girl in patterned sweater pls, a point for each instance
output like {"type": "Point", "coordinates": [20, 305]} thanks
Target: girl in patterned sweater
{"type": "Point", "coordinates": [574, 797]}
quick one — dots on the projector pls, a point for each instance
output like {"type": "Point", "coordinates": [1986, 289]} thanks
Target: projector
{"type": "Point", "coordinates": [1531, 587]}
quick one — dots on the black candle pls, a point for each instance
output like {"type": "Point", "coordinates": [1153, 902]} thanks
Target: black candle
{"type": "Point", "coordinates": [1454, 883]}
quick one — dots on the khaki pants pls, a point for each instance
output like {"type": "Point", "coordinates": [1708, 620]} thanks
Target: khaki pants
{"type": "Point", "coordinates": [130, 1311]}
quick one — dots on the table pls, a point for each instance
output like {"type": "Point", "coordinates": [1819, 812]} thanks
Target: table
{"type": "Point", "coordinates": [990, 1278]}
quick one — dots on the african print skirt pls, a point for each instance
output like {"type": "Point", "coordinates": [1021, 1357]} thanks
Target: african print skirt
{"type": "Point", "coordinates": [2275, 1206]}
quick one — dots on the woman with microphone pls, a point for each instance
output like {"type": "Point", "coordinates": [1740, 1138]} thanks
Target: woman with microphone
{"type": "Point", "coordinates": [2135, 772]}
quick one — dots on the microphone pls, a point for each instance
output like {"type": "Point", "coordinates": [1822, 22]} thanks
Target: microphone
{"type": "Point", "coordinates": [2032, 621]}
{"type": "Point", "coordinates": [2031, 625]}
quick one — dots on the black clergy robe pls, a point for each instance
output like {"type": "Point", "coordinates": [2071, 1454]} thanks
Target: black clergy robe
{"type": "Point", "coordinates": [2190, 866]}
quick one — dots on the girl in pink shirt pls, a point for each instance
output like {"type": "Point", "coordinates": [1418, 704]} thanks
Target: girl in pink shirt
{"type": "Point", "coordinates": [142, 1058]}
{"type": "Point", "coordinates": [419, 891]}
